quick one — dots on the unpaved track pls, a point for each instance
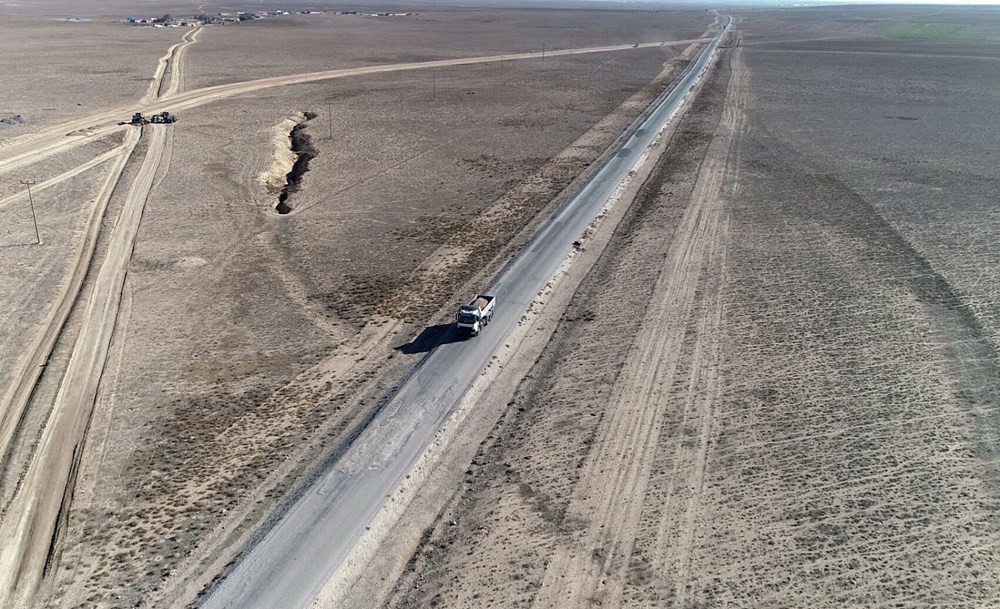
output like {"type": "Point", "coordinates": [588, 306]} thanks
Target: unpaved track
{"type": "Point", "coordinates": [66, 175]}
{"type": "Point", "coordinates": [29, 367]}
{"type": "Point", "coordinates": [176, 64]}
{"type": "Point", "coordinates": [610, 494]}
{"type": "Point", "coordinates": [170, 60]}
{"type": "Point", "coordinates": [670, 553]}
{"type": "Point", "coordinates": [61, 137]}
{"type": "Point", "coordinates": [28, 532]}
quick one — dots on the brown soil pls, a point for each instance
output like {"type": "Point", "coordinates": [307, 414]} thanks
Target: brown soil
{"type": "Point", "coordinates": [249, 342]}
{"type": "Point", "coordinates": [322, 42]}
{"type": "Point", "coordinates": [796, 403]}
{"type": "Point", "coordinates": [53, 70]}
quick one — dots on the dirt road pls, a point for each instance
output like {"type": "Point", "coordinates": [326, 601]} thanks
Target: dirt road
{"type": "Point", "coordinates": [30, 529]}
{"type": "Point", "coordinates": [34, 357]}
{"type": "Point", "coordinates": [596, 564]}
{"type": "Point", "coordinates": [174, 60]}
{"type": "Point", "coordinates": [72, 173]}
{"type": "Point", "coordinates": [61, 137]}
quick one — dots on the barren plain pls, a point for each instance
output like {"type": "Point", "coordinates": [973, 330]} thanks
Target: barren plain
{"type": "Point", "coordinates": [340, 41]}
{"type": "Point", "coordinates": [243, 343]}
{"type": "Point", "coordinates": [778, 385]}
{"type": "Point", "coordinates": [54, 70]}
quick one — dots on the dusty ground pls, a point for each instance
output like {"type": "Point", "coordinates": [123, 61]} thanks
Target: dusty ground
{"type": "Point", "coordinates": [777, 386]}
{"type": "Point", "coordinates": [247, 342]}
{"type": "Point", "coordinates": [796, 404]}
{"type": "Point", "coordinates": [323, 42]}
{"type": "Point", "coordinates": [54, 70]}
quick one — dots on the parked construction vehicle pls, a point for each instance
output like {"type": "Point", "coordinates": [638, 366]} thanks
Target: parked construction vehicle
{"type": "Point", "coordinates": [161, 118]}
{"type": "Point", "coordinates": [137, 119]}
{"type": "Point", "coordinates": [473, 317]}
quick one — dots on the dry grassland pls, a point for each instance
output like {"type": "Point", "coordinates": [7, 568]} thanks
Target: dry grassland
{"type": "Point", "coordinates": [54, 71]}
{"type": "Point", "coordinates": [778, 386]}
{"type": "Point", "coordinates": [248, 341]}
{"type": "Point", "coordinates": [321, 42]}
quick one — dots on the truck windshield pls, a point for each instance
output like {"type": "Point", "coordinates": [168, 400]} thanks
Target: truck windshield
{"type": "Point", "coordinates": [467, 318]}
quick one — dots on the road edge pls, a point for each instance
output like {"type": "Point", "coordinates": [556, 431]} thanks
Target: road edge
{"type": "Point", "coordinates": [370, 572]}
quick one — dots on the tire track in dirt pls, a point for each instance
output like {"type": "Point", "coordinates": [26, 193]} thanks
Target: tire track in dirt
{"type": "Point", "coordinates": [29, 367]}
{"type": "Point", "coordinates": [53, 139]}
{"type": "Point", "coordinates": [30, 530]}
{"type": "Point", "coordinates": [673, 542]}
{"type": "Point", "coordinates": [172, 61]}
{"type": "Point", "coordinates": [66, 175]}
{"type": "Point", "coordinates": [594, 568]}
{"type": "Point", "coordinates": [176, 83]}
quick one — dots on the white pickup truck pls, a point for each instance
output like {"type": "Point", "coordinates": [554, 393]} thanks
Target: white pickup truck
{"type": "Point", "coordinates": [473, 317]}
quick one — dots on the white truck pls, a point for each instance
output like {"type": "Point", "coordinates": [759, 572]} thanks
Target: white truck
{"type": "Point", "coordinates": [474, 316]}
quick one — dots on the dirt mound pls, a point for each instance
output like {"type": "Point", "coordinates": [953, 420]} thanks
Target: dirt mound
{"type": "Point", "coordinates": [284, 157]}
{"type": "Point", "coordinates": [16, 119]}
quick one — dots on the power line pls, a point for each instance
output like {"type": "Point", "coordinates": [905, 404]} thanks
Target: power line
{"type": "Point", "coordinates": [31, 204]}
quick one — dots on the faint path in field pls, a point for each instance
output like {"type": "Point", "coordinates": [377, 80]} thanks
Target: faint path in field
{"type": "Point", "coordinates": [594, 569]}
{"type": "Point", "coordinates": [29, 531]}
{"type": "Point", "coordinates": [60, 137]}
{"type": "Point", "coordinates": [171, 63]}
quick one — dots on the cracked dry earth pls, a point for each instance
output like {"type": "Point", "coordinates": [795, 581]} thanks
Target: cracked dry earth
{"type": "Point", "coordinates": [763, 395]}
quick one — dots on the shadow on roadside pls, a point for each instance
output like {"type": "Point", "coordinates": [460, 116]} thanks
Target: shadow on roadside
{"type": "Point", "coordinates": [432, 337]}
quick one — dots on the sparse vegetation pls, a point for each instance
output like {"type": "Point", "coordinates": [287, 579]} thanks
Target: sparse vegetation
{"type": "Point", "coordinates": [804, 413]}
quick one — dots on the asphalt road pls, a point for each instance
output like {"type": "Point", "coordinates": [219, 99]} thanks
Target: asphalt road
{"type": "Point", "coordinates": [290, 565]}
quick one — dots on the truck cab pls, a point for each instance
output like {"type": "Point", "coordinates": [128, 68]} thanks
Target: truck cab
{"type": "Point", "coordinates": [473, 317]}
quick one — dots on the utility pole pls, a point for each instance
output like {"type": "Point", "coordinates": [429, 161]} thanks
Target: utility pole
{"type": "Point", "coordinates": [329, 113]}
{"type": "Point", "coordinates": [543, 52]}
{"type": "Point", "coordinates": [434, 86]}
{"type": "Point", "coordinates": [31, 204]}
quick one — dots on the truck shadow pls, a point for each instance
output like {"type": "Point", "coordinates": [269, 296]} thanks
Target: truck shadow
{"type": "Point", "coordinates": [431, 337]}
